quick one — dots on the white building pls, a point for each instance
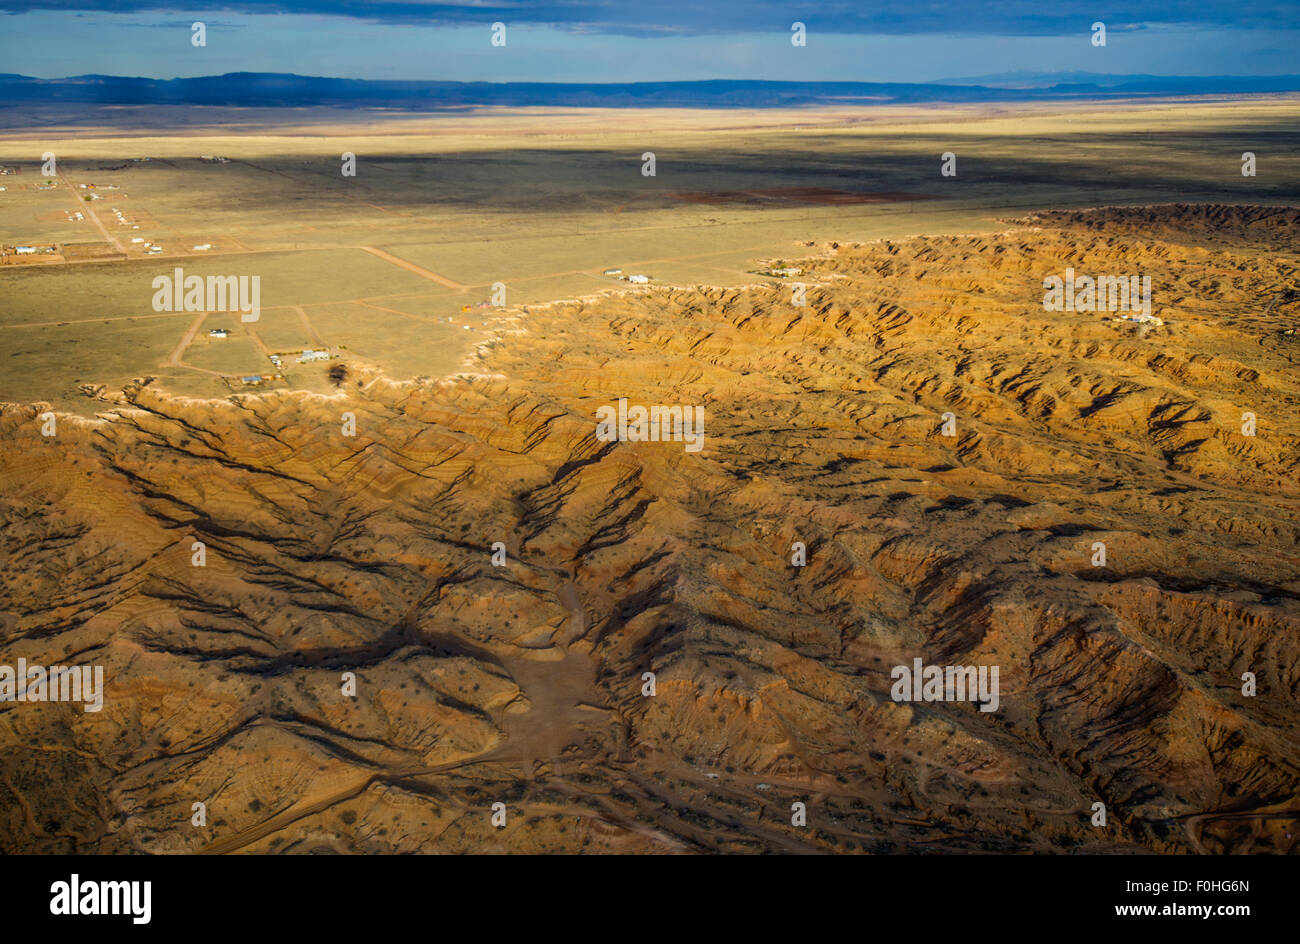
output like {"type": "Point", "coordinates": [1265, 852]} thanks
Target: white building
{"type": "Point", "coordinates": [639, 279]}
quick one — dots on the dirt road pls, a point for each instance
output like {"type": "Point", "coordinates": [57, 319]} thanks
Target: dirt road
{"type": "Point", "coordinates": [412, 267]}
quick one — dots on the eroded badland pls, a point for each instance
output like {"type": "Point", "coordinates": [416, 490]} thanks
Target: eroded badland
{"type": "Point", "coordinates": [942, 455]}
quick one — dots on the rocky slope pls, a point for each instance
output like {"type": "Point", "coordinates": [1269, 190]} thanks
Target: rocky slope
{"type": "Point", "coordinates": [523, 684]}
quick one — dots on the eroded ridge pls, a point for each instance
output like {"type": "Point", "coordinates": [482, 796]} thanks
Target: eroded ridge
{"type": "Point", "coordinates": [523, 684]}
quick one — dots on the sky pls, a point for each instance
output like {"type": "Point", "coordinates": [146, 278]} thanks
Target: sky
{"type": "Point", "coordinates": [648, 40]}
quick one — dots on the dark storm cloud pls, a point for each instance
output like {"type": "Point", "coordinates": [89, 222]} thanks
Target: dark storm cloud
{"type": "Point", "coordinates": [670, 17]}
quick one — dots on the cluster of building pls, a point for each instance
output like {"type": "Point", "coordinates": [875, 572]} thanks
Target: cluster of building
{"type": "Point", "coordinates": [212, 158]}
{"type": "Point", "coordinates": [149, 247]}
{"type": "Point", "coordinates": [277, 360]}
{"type": "Point", "coordinates": [123, 221]}
{"type": "Point", "coordinates": [634, 279]}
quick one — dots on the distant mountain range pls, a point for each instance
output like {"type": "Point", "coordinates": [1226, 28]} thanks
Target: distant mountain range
{"type": "Point", "coordinates": [250, 89]}
{"type": "Point", "coordinates": [1134, 83]}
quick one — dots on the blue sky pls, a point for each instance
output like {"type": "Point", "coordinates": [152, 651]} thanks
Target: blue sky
{"type": "Point", "coordinates": [644, 40]}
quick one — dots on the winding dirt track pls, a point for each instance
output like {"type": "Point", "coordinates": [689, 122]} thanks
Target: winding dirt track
{"type": "Point", "coordinates": [317, 802]}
